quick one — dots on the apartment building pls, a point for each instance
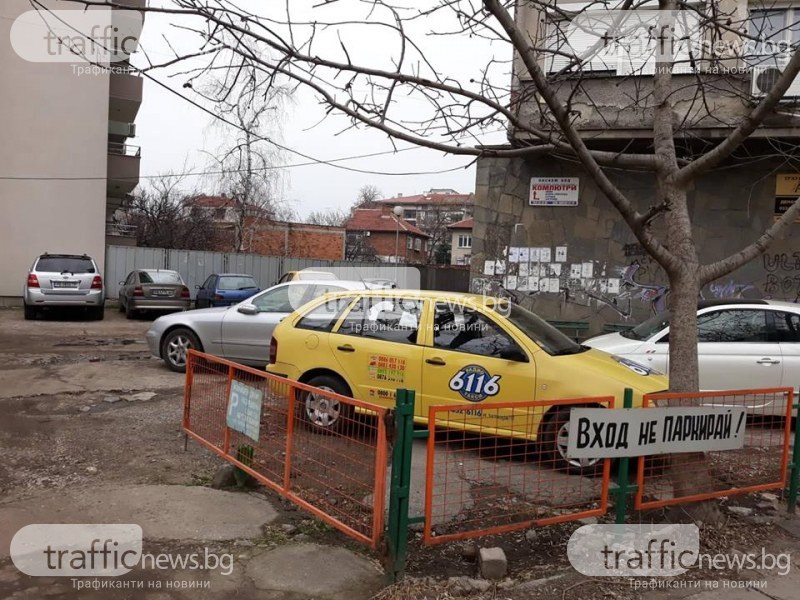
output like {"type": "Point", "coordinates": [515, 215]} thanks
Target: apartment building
{"type": "Point", "coordinates": [66, 161]}
{"type": "Point", "coordinates": [561, 244]}
{"type": "Point", "coordinates": [432, 208]}
{"type": "Point", "coordinates": [461, 241]}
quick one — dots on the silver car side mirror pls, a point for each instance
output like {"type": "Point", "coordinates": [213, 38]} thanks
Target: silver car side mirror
{"type": "Point", "coordinates": [247, 309]}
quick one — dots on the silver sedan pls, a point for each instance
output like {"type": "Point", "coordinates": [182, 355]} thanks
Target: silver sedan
{"type": "Point", "coordinates": [240, 332]}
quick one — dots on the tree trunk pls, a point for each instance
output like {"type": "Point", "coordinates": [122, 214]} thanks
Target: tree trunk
{"type": "Point", "coordinates": [689, 472]}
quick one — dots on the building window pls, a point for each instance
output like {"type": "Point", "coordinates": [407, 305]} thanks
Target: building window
{"type": "Point", "coordinates": [775, 29]}
{"type": "Point", "coordinates": [580, 42]}
{"type": "Point", "coordinates": [417, 244]}
{"type": "Point", "coordinates": [409, 242]}
{"type": "Point", "coordinates": [465, 240]}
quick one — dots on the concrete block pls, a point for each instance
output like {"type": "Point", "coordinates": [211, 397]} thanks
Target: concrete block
{"type": "Point", "coordinates": [493, 563]}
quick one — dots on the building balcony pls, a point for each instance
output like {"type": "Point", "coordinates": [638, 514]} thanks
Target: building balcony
{"type": "Point", "coordinates": [118, 234]}
{"type": "Point", "coordinates": [622, 108]}
{"type": "Point", "coordinates": [119, 131]}
{"type": "Point", "coordinates": [123, 169]}
{"type": "Point", "coordinates": [125, 95]}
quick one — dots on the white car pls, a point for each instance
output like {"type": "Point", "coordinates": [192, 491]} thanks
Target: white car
{"type": "Point", "coordinates": [742, 344]}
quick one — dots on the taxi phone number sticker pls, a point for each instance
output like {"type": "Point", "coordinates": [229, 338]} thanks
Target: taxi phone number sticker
{"type": "Point", "coordinates": [475, 383]}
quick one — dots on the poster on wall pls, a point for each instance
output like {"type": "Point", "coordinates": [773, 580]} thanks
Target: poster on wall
{"type": "Point", "coordinates": [787, 189]}
{"type": "Point", "coordinates": [554, 191]}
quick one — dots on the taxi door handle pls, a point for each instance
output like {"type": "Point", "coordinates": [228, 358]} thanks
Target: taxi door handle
{"type": "Point", "coordinates": [346, 348]}
{"type": "Point", "coordinates": [435, 361]}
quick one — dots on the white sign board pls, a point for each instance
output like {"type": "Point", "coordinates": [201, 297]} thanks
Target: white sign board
{"type": "Point", "coordinates": [554, 191]}
{"type": "Point", "coordinates": [604, 433]}
{"type": "Point", "coordinates": [244, 409]}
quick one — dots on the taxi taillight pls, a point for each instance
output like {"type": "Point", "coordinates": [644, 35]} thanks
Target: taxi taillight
{"type": "Point", "coordinates": [273, 350]}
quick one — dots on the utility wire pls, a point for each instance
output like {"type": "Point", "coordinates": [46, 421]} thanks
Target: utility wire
{"type": "Point", "coordinates": [311, 159]}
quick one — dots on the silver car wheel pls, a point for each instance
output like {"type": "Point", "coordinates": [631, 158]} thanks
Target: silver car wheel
{"type": "Point", "coordinates": [177, 348]}
{"type": "Point", "coordinates": [321, 410]}
{"type": "Point", "coordinates": [562, 443]}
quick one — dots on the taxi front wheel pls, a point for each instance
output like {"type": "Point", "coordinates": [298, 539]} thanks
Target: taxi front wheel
{"type": "Point", "coordinates": [555, 436]}
{"type": "Point", "coordinates": [321, 412]}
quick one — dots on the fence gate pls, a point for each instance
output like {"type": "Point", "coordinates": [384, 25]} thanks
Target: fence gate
{"type": "Point", "coordinates": [261, 424]}
{"type": "Point", "coordinates": [760, 465]}
{"type": "Point", "coordinates": [482, 479]}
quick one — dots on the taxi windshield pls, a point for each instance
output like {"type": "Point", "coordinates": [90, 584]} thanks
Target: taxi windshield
{"type": "Point", "coordinates": [550, 339]}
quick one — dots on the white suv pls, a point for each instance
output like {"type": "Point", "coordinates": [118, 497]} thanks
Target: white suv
{"type": "Point", "coordinates": [57, 280]}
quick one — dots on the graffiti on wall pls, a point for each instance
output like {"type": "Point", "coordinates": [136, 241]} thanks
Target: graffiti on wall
{"type": "Point", "coordinates": [783, 275]}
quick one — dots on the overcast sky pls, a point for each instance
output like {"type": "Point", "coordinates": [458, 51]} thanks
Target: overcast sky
{"type": "Point", "coordinates": [176, 136]}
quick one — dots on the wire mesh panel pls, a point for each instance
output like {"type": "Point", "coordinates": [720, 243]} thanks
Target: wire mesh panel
{"type": "Point", "coordinates": [761, 464]}
{"type": "Point", "coordinates": [504, 467]}
{"type": "Point", "coordinates": [325, 452]}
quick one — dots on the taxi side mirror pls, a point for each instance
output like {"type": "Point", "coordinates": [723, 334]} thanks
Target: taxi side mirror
{"type": "Point", "coordinates": [513, 353]}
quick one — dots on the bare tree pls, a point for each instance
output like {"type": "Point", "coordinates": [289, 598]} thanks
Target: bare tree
{"type": "Point", "coordinates": [435, 224]}
{"type": "Point", "coordinates": [249, 106]}
{"type": "Point", "coordinates": [163, 220]}
{"type": "Point", "coordinates": [359, 248]}
{"type": "Point", "coordinates": [367, 196]}
{"type": "Point", "coordinates": [317, 50]}
{"type": "Point", "coordinates": [335, 217]}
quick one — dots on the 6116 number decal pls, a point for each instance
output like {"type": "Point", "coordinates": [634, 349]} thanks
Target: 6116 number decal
{"type": "Point", "coordinates": [475, 383]}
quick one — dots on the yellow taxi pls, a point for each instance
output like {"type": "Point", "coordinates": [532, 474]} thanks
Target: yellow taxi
{"type": "Point", "coordinates": [452, 349]}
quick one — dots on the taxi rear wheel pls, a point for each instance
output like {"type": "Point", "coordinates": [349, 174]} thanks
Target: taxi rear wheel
{"type": "Point", "coordinates": [319, 411]}
{"type": "Point", "coordinates": [555, 434]}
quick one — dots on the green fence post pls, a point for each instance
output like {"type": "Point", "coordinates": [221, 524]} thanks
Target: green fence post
{"type": "Point", "coordinates": [621, 503]}
{"type": "Point", "coordinates": [794, 480]}
{"type": "Point", "coordinates": [400, 487]}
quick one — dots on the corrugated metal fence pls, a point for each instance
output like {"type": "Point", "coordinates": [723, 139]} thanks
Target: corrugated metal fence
{"type": "Point", "coordinates": [196, 265]}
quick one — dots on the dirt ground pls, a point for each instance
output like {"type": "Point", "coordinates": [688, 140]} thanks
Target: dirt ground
{"type": "Point", "coordinates": [86, 431]}
{"type": "Point", "coordinates": [83, 406]}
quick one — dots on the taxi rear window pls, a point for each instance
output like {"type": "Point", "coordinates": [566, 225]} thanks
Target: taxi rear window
{"type": "Point", "coordinates": [387, 319]}
{"type": "Point", "coordinates": [324, 316]}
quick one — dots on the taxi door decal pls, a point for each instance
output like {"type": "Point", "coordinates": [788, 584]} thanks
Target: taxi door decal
{"type": "Point", "coordinates": [475, 383]}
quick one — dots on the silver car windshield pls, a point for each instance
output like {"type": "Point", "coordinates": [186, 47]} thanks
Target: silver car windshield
{"type": "Point", "coordinates": [60, 264]}
{"type": "Point", "coordinates": [159, 277]}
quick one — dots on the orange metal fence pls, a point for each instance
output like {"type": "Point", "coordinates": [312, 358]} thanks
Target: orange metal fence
{"type": "Point", "coordinates": [486, 476]}
{"type": "Point", "coordinates": [760, 465]}
{"type": "Point", "coordinates": [259, 423]}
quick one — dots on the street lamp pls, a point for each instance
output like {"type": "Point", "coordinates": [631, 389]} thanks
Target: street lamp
{"type": "Point", "coordinates": [398, 212]}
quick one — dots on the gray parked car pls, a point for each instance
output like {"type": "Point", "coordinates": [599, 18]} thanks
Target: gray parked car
{"type": "Point", "coordinates": [153, 289]}
{"type": "Point", "coordinates": [241, 332]}
{"type": "Point", "coordinates": [57, 280]}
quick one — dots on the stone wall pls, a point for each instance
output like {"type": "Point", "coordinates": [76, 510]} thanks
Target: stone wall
{"type": "Point", "coordinates": [730, 207]}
